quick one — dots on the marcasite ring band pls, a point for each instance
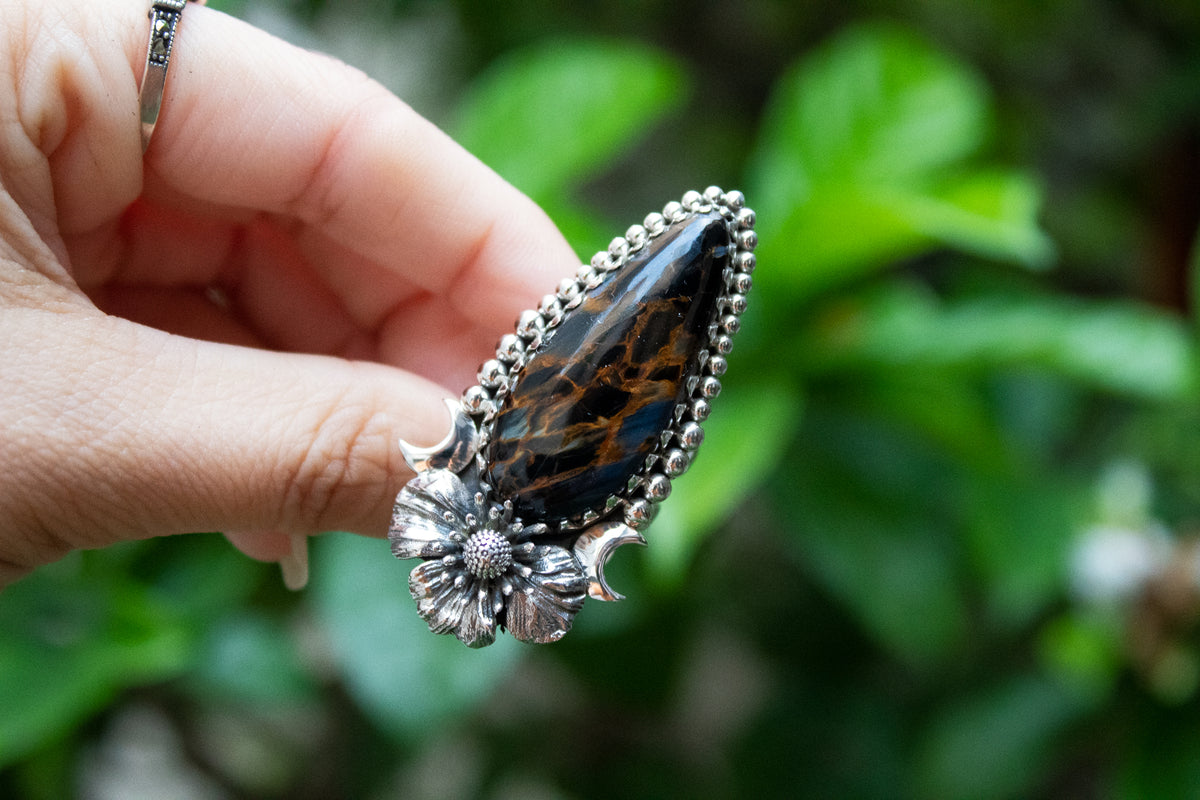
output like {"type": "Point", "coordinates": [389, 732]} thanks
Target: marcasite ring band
{"type": "Point", "coordinates": [164, 18]}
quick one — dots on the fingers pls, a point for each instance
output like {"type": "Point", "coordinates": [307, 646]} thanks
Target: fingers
{"type": "Point", "coordinates": [251, 122]}
{"type": "Point", "coordinates": [124, 432]}
{"type": "Point", "coordinates": [310, 138]}
{"type": "Point", "coordinates": [294, 565]}
{"type": "Point", "coordinates": [261, 545]}
{"type": "Point", "coordinates": [290, 550]}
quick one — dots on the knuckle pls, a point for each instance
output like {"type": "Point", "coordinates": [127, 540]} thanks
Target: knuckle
{"type": "Point", "coordinates": [33, 541]}
{"type": "Point", "coordinates": [342, 471]}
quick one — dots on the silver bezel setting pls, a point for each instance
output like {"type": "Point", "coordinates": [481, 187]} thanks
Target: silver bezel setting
{"type": "Point", "coordinates": [679, 443]}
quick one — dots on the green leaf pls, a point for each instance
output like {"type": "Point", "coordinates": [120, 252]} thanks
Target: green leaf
{"type": "Point", "coordinates": [551, 115]}
{"type": "Point", "coordinates": [897, 581]}
{"type": "Point", "coordinates": [735, 460]}
{"type": "Point", "coordinates": [863, 160]}
{"type": "Point", "coordinates": [201, 576]}
{"type": "Point", "coordinates": [404, 677]}
{"type": "Point", "coordinates": [1120, 347]}
{"type": "Point", "coordinates": [997, 743]}
{"type": "Point", "coordinates": [1085, 651]}
{"type": "Point", "coordinates": [1018, 534]}
{"type": "Point", "coordinates": [876, 106]}
{"type": "Point", "coordinates": [836, 235]}
{"type": "Point", "coordinates": [949, 413]}
{"type": "Point", "coordinates": [251, 658]}
{"type": "Point", "coordinates": [862, 501]}
{"type": "Point", "coordinates": [73, 639]}
{"type": "Point", "coordinates": [990, 212]}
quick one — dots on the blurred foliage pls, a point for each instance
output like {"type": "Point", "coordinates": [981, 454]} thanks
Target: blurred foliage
{"type": "Point", "coordinates": [942, 538]}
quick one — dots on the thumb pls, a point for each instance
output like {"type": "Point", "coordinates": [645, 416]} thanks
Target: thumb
{"type": "Point", "coordinates": [124, 432]}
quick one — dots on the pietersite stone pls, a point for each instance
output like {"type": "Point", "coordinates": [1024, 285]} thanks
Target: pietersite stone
{"type": "Point", "coordinates": [590, 405]}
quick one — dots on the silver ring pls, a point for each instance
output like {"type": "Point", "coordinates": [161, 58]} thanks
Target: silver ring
{"type": "Point", "coordinates": [164, 18]}
{"type": "Point", "coordinates": [577, 428]}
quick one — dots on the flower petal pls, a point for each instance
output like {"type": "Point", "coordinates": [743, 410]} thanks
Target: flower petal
{"type": "Point", "coordinates": [545, 603]}
{"type": "Point", "coordinates": [555, 569]}
{"type": "Point", "coordinates": [478, 626]}
{"type": "Point", "coordinates": [430, 508]}
{"type": "Point", "coordinates": [439, 602]}
{"type": "Point", "coordinates": [530, 532]}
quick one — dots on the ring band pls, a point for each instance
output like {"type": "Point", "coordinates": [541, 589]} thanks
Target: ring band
{"type": "Point", "coordinates": [164, 17]}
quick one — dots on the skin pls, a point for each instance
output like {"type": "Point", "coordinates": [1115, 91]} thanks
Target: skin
{"type": "Point", "coordinates": [231, 331]}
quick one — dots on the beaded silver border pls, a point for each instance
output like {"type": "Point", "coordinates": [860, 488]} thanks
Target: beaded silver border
{"type": "Point", "coordinates": [679, 443]}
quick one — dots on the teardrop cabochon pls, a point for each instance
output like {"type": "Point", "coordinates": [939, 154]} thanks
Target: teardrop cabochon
{"type": "Point", "coordinates": [594, 405]}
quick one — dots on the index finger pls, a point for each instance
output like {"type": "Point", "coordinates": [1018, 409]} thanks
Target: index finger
{"type": "Point", "coordinates": [249, 121]}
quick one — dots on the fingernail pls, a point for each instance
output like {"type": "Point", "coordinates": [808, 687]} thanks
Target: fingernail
{"type": "Point", "coordinates": [294, 565]}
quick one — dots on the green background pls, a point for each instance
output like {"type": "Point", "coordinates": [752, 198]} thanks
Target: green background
{"type": "Point", "coordinates": [941, 540]}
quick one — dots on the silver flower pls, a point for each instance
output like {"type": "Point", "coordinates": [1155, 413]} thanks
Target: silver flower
{"type": "Point", "coordinates": [482, 569]}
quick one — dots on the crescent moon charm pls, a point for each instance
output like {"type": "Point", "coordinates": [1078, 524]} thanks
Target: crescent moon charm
{"type": "Point", "coordinates": [454, 452]}
{"type": "Point", "coordinates": [595, 547]}
{"type": "Point", "coordinates": [578, 426]}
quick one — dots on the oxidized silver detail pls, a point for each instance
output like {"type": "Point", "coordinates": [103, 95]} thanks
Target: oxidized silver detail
{"type": "Point", "coordinates": [487, 554]}
{"type": "Point", "coordinates": [484, 569]}
{"type": "Point", "coordinates": [164, 19]}
{"type": "Point", "coordinates": [454, 452]}
{"type": "Point", "coordinates": [595, 546]}
{"type": "Point", "coordinates": [469, 585]}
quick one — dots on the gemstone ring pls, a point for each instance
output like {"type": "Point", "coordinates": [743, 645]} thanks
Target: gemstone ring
{"type": "Point", "coordinates": [576, 429]}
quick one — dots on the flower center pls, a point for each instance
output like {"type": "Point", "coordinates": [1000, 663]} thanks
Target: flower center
{"type": "Point", "coordinates": [487, 554]}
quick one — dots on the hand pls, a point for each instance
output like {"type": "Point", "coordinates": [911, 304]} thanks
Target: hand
{"type": "Point", "coordinates": [154, 310]}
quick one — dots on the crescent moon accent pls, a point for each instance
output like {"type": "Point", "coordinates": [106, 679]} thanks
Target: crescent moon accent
{"type": "Point", "coordinates": [453, 452]}
{"type": "Point", "coordinates": [595, 546]}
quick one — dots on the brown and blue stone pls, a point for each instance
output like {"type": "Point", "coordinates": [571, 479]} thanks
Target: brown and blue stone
{"type": "Point", "coordinates": [592, 402]}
